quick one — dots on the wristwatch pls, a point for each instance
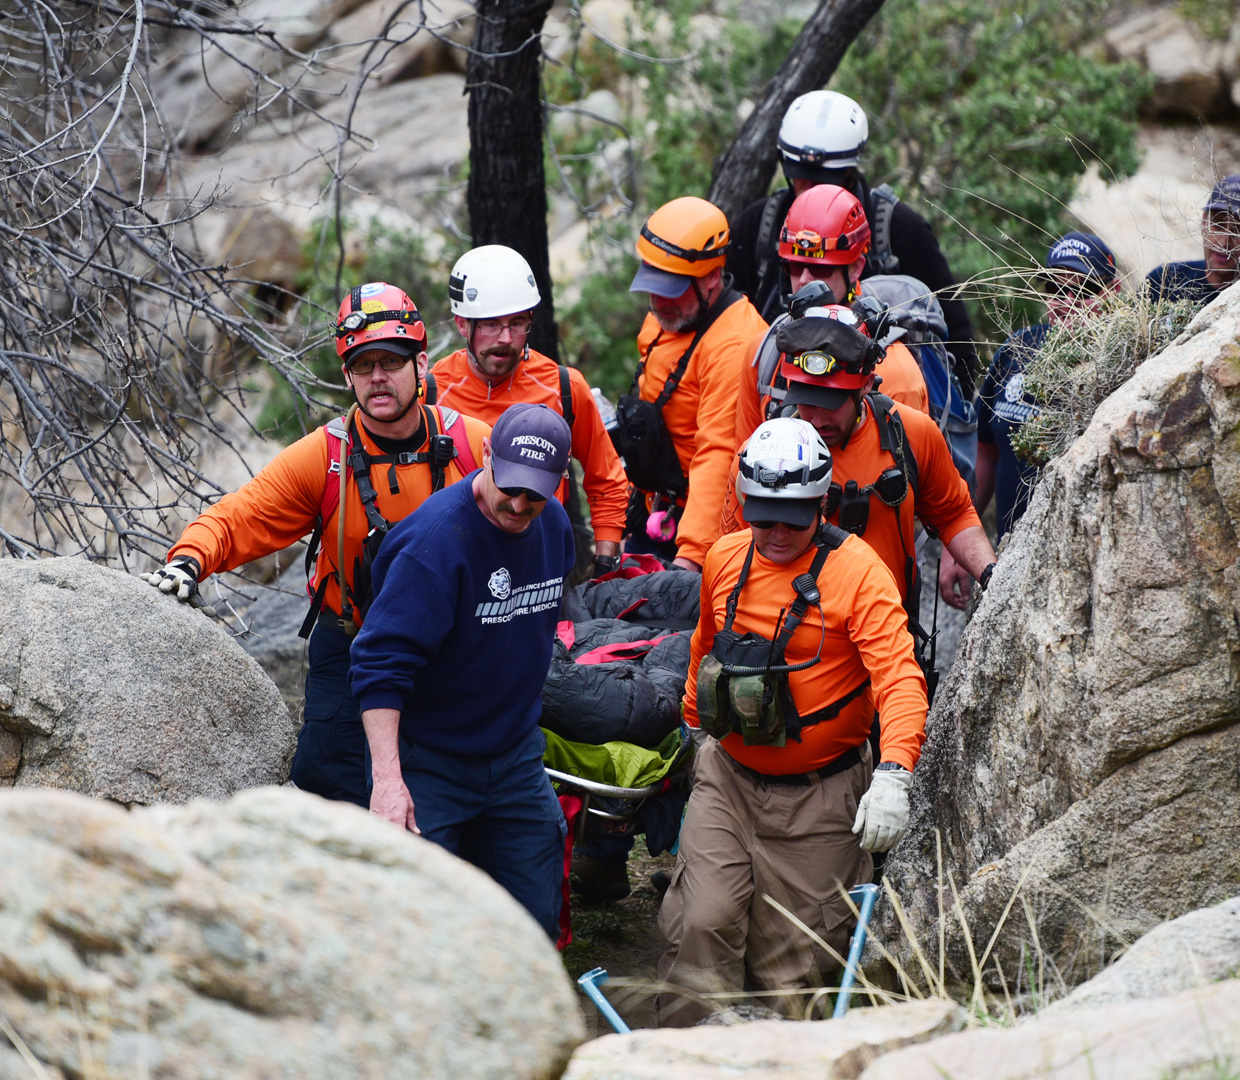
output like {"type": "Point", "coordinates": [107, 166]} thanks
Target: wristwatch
{"type": "Point", "coordinates": [605, 564]}
{"type": "Point", "coordinates": [983, 579]}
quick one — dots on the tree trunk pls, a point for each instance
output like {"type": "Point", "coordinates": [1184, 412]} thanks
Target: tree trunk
{"type": "Point", "coordinates": [744, 172]}
{"type": "Point", "coordinates": [507, 184]}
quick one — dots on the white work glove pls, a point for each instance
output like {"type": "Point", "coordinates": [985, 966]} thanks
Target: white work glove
{"type": "Point", "coordinates": [180, 576]}
{"type": "Point", "coordinates": [882, 815]}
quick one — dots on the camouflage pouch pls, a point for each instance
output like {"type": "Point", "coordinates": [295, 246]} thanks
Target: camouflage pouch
{"type": "Point", "coordinates": [758, 710]}
{"type": "Point", "coordinates": [712, 697]}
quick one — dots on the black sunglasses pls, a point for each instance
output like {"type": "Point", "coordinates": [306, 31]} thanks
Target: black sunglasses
{"type": "Point", "coordinates": [517, 492]}
{"type": "Point", "coordinates": [771, 524]}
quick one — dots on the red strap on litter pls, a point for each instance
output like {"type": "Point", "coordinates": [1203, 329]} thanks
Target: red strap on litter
{"type": "Point", "coordinates": [632, 566]}
{"type": "Point", "coordinates": [567, 633]}
{"type": "Point", "coordinates": [620, 650]}
{"type": "Point", "coordinates": [633, 607]}
{"type": "Point", "coordinates": [571, 805]}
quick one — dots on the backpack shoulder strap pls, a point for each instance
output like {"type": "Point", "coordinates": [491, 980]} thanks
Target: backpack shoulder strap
{"type": "Point", "coordinates": [725, 300]}
{"type": "Point", "coordinates": [430, 388]}
{"type": "Point", "coordinates": [768, 240]}
{"type": "Point", "coordinates": [829, 538]}
{"type": "Point", "coordinates": [883, 201]}
{"type": "Point", "coordinates": [337, 455]}
{"type": "Point", "coordinates": [566, 396]}
{"type": "Point", "coordinates": [767, 361]}
{"type": "Point", "coordinates": [893, 439]}
{"type": "Point", "coordinates": [453, 423]}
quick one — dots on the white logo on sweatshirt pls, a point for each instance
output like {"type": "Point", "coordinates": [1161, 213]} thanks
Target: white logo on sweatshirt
{"type": "Point", "coordinates": [500, 584]}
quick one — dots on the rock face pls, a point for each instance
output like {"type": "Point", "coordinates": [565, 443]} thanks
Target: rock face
{"type": "Point", "coordinates": [1190, 76]}
{"type": "Point", "coordinates": [1196, 949]}
{"type": "Point", "coordinates": [275, 935]}
{"type": "Point", "coordinates": [1194, 1034]}
{"type": "Point", "coordinates": [111, 689]}
{"type": "Point", "coordinates": [1082, 756]}
{"type": "Point", "coordinates": [839, 1049]}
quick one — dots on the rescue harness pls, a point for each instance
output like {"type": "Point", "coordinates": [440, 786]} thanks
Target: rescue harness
{"type": "Point", "coordinates": [346, 454]}
{"type": "Point", "coordinates": [742, 683]}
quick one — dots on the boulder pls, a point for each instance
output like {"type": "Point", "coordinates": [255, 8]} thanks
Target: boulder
{"type": "Point", "coordinates": [1193, 1034]}
{"type": "Point", "coordinates": [1189, 79]}
{"type": "Point", "coordinates": [839, 1049]}
{"type": "Point", "coordinates": [273, 621]}
{"type": "Point", "coordinates": [1079, 775]}
{"type": "Point", "coordinates": [1194, 950]}
{"type": "Point", "coordinates": [112, 689]}
{"type": "Point", "coordinates": [277, 934]}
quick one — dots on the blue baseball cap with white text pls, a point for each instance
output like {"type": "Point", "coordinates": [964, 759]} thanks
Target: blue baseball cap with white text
{"type": "Point", "coordinates": [1082, 253]}
{"type": "Point", "coordinates": [530, 447]}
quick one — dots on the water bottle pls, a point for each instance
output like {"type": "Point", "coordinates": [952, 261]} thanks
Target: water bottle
{"type": "Point", "coordinates": [605, 408]}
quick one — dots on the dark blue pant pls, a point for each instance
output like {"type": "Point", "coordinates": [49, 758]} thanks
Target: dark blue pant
{"type": "Point", "coordinates": [331, 746]}
{"type": "Point", "coordinates": [498, 813]}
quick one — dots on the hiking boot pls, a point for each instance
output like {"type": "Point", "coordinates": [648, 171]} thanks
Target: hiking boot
{"type": "Point", "coordinates": [659, 881]}
{"type": "Point", "coordinates": [599, 881]}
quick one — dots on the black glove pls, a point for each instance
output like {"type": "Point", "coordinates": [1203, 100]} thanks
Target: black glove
{"type": "Point", "coordinates": [605, 564]}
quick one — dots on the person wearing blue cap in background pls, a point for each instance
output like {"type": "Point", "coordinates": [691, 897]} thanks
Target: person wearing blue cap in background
{"type": "Point", "coordinates": [1201, 280]}
{"type": "Point", "coordinates": [1080, 272]}
{"type": "Point", "coordinates": [449, 666]}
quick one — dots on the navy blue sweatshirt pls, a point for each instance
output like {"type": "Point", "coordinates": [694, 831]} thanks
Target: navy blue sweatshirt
{"type": "Point", "coordinates": [460, 633]}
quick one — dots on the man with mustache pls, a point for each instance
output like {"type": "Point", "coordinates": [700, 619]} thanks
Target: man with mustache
{"type": "Point", "coordinates": [392, 453]}
{"type": "Point", "coordinates": [450, 665]}
{"type": "Point", "coordinates": [493, 294]}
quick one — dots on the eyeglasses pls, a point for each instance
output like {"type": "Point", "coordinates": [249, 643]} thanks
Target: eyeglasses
{"type": "Point", "coordinates": [389, 362]}
{"type": "Point", "coordinates": [517, 492]}
{"type": "Point", "coordinates": [494, 327]}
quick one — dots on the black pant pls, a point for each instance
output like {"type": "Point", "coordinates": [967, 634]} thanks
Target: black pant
{"type": "Point", "coordinates": [331, 746]}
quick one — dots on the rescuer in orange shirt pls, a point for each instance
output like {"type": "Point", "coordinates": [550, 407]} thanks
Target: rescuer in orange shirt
{"type": "Point", "coordinates": [492, 293]}
{"type": "Point", "coordinates": [801, 638]}
{"type": "Point", "coordinates": [676, 428]}
{"type": "Point", "coordinates": [890, 462]}
{"type": "Point", "coordinates": [393, 452]}
{"type": "Point", "coordinates": [822, 252]}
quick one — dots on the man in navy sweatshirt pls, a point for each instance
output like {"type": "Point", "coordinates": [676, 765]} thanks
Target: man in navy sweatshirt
{"type": "Point", "coordinates": [451, 660]}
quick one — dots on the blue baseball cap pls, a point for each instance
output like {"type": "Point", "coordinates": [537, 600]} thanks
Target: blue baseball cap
{"type": "Point", "coordinates": [1082, 253]}
{"type": "Point", "coordinates": [650, 279]}
{"type": "Point", "coordinates": [1225, 196]}
{"type": "Point", "coordinates": [530, 447]}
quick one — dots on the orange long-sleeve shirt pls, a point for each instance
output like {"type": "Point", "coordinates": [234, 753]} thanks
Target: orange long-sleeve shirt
{"type": "Point", "coordinates": [866, 635]}
{"type": "Point", "coordinates": [903, 382]}
{"type": "Point", "coordinates": [537, 380]}
{"type": "Point", "coordinates": [278, 507]}
{"type": "Point", "coordinates": [943, 502]}
{"type": "Point", "coordinates": [701, 415]}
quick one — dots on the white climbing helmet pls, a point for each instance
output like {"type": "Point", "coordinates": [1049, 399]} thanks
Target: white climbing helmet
{"type": "Point", "coordinates": [785, 471]}
{"type": "Point", "coordinates": [491, 281]}
{"type": "Point", "coordinates": [821, 130]}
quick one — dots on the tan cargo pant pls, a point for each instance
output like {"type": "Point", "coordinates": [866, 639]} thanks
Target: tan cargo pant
{"type": "Point", "coordinates": [744, 840]}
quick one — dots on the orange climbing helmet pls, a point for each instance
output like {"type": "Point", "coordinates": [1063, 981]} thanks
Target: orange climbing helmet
{"type": "Point", "coordinates": [379, 314]}
{"type": "Point", "coordinates": [825, 224]}
{"type": "Point", "coordinates": [684, 239]}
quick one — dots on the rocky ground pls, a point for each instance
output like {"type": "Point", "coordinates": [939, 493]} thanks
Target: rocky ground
{"type": "Point", "coordinates": [624, 940]}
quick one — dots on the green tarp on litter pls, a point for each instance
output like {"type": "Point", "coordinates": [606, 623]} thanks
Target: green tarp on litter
{"type": "Point", "coordinates": [620, 764]}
